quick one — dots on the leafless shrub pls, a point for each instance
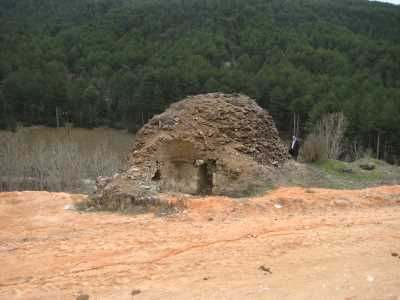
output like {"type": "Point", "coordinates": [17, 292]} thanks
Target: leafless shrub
{"type": "Point", "coordinates": [101, 166]}
{"type": "Point", "coordinates": [354, 151]}
{"type": "Point", "coordinates": [314, 149]}
{"type": "Point", "coordinates": [59, 159]}
{"type": "Point", "coordinates": [325, 141]}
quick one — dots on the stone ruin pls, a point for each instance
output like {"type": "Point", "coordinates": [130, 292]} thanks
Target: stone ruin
{"type": "Point", "coordinates": [222, 144]}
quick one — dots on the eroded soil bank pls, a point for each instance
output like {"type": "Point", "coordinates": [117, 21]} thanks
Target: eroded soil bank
{"type": "Point", "coordinates": [292, 243]}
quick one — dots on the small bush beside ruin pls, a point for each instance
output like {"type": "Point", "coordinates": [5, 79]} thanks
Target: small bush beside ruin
{"type": "Point", "coordinates": [325, 140]}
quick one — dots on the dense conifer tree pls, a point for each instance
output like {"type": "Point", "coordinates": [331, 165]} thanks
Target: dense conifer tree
{"type": "Point", "coordinates": [120, 62]}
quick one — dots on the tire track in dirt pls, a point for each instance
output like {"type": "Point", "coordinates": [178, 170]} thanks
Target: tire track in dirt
{"type": "Point", "coordinates": [236, 223]}
{"type": "Point", "coordinates": [279, 231]}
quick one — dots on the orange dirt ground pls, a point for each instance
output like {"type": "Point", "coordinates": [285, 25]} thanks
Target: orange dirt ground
{"type": "Point", "coordinates": [292, 243]}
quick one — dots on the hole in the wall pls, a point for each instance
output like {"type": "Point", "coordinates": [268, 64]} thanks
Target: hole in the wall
{"type": "Point", "coordinates": [206, 177]}
{"type": "Point", "coordinates": [178, 173]}
{"type": "Point", "coordinates": [180, 168]}
{"type": "Point", "coordinates": [156, 176]}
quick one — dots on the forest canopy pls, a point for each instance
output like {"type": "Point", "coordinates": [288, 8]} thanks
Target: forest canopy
{"type": "Point", "coordinates": [117, 63]}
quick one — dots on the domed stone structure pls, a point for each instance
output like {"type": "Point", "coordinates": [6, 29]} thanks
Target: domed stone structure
{"type": "Point", "coordinates": [205, 144]}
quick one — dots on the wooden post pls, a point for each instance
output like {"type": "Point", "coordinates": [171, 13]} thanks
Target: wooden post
{"type": "Point", "coordinates": [57, 117]}
{"type": "Point", "coordinates": [385, 153]}
{"type": "Point", "coordinates": [378, 145]}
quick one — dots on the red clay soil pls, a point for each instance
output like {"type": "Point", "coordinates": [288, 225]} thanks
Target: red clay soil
{"type": "Point", "coordinates": [292, 243]}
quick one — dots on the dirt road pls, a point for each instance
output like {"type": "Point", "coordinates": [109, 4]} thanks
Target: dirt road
{"type": "Point", "coordinates": [291, 243]}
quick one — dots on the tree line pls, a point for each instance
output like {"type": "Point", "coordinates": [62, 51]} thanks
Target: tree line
{"type": "Point", "coordinates": [117, 63]}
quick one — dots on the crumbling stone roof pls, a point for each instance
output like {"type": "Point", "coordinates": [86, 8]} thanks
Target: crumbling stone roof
{"type": "Point", "coordinates": [212, 121]}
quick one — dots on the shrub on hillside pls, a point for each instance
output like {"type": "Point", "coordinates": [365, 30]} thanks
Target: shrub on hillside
{"type": "Point", "coordinates": [314, 149]}
{"type": "Point", "coordinates": [325, 140]}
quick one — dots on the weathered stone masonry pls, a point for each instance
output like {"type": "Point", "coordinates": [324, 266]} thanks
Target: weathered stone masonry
{"type": "Point", "coordinates": [205, 144]}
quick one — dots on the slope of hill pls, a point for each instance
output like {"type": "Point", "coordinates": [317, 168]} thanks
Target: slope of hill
{"type": "Point", "coordinates": [119, 62]}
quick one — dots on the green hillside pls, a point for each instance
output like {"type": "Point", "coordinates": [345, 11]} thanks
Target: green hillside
{"type": "Point", "coordinates": [117, 63]}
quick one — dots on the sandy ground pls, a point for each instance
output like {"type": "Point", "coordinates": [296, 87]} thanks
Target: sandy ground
{"type": "Point", "coordinates": [292, 243]}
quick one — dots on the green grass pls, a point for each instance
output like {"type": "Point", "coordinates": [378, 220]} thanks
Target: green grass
{"type": "Point", "coordinates": [335, 168]}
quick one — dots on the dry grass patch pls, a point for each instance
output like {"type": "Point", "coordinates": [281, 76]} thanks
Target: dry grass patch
{"type": "Point", "coordinates": [64, 159]}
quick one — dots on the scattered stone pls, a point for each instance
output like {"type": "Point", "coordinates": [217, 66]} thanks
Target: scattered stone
{"type": "Point", "coordinates": [394, 254]}
{"type": "Point", "coordinates": [367, 166]}
{"type": "Point", "coordinates": [83, 297]}
{"type": "Point", "coordinates": [210, 219]}
{"type": "Point", "coordinates": [206, 278]}
{"type": "Point", "coordinates": [135, 292]}
{"type": "Point", "coordinates": [341, 203]}
{"type": "Point", "coordinates": [278, 205]}
{"type": "Point", "coordinates": [102, 181]}
{"type": "Point", "coordinates": [347, 170]}
{"type": "Point", "coordinates": [265, 269]}
{"type": "Point", "coordinates": [69, 207]}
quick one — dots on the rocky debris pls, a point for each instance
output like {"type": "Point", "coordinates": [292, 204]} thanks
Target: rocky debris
{"type": "Point", "coordinates": [340, 203]}
{"type": "Point", "coordinates": [367, 166]}
{"type": "Point", "coordinates": [69, 207]}
{"type": "Point", "coordinates": [205, 144]}
{"type": "Point", "coordinates": [276, 164]}
{"type": "Point", "coordinates": [135, 292]}
{"type": "Point", "coordinates": [265, 269]}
